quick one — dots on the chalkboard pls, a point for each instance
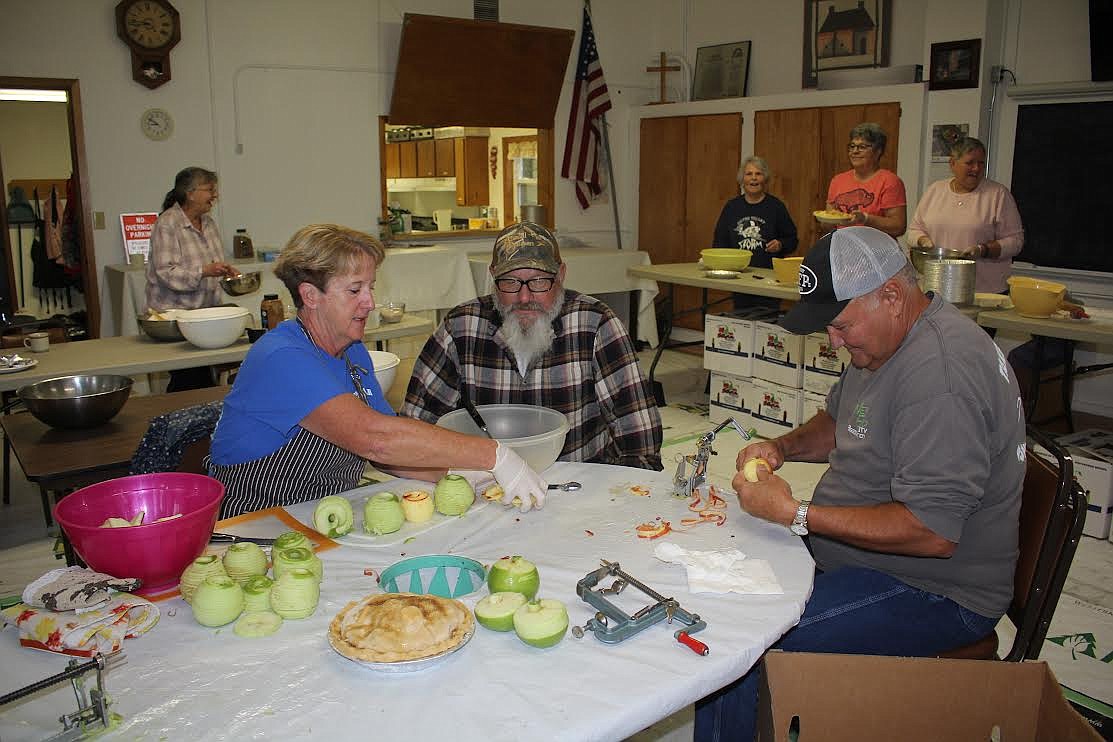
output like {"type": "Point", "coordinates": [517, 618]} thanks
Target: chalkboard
{"type": "Point", "coordinates": [1063, 184]}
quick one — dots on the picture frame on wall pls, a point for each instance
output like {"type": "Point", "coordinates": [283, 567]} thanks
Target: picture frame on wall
{"type": "Point", "coordinates": [722, 71]}
{"type": "Point", "coordinates": [845, 34]}
{"type": "Point", "coordinates": [955, 65]}
{"type": "Point", "coordinates": [943, 137]}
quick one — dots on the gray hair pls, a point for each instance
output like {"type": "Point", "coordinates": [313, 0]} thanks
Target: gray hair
{"type": "Point", "coordinates": [188, 179]}
{"type": "Point", "coordinates": [872, 134]}
{"type": "Point", "coordinates": [964, 145]}
{"type": "Point", "coordinates": [318, 252]}
{"type": "Point", "coordinates": [758, 162]}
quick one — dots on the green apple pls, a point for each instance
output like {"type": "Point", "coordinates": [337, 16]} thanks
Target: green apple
{"type": "Point", "coordinates": [382, 514]}
{"type": "Point", "coordinates": [514, 574]}
{"type": "Point", "coordinates": [453, 495]}
{"type": "Point", "coordinates": [496, 611]}
{"type": "Point", "coordinates": [333, 516]}
{"type": "Point", "coordinates": [541, 623]}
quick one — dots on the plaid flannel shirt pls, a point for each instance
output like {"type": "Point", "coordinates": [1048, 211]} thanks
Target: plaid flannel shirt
{"type": "Point", "coordinates": [178, 255]}
{"type": "Point", "coordinates": [591, 374]}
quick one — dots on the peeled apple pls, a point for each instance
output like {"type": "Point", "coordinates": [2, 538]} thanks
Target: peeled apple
{"type": "Point", "coordinates": [116, 523]}
{"type": "Point", "coordinates": [217, 601]}
{"type": "Point", "coordinates": [290, 540]}
{"type": "Point", "coordinates": [295, 594]}
{"type": "Point", "coordinates": [298, 557]}
{"type": "Point", "coordinates": [496, 611]}
{"type": "Point", "coordinates": [382, 514]}
{"type": "Point", "coordinates": [514, 574]}
{"type": "Point", "coordinates": [257, 593]}
{"type": "Point", "coordinates": [333, 516]}
{"type": "Point", "coordinates": [749, 469]}
{"type": "Point", "coordinates": [417, 506]}
{"type": "Point", "coordinates": [453, 495]}
{"type": "Point", "coordinates": [245, 560]}
{"type": "Point", "coordinates": [541, 623]}
{"type": "Point", "coordinates": [196, 572]}
{"type": "Point", "coordinates": [257, 624]}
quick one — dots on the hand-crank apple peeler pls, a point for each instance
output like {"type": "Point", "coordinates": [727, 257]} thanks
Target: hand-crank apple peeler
{"type": "Point", "coordinates": [624, 626]}
{"type": "Point", "coordinates": [685, 485]}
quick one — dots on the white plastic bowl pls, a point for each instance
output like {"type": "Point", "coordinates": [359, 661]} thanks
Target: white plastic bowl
{"type": "Point", "coordinates": [386, 366]}
{"type": "Point", "coordinates": [535, 433]}
{"type": "Point", "coordinates": [213, 327]}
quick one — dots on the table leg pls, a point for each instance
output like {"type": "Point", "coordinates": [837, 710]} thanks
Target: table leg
{"type": "Point", "coordinates": [45, 494]}
{"type": "Point", "coordinates": [662, 341]}
{"type": "Point", "coordinates": [1068, 383]}
{"type": "Point", "coordinates": [7, 471]}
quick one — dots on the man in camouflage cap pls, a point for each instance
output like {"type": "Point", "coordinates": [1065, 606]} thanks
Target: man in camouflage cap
{"type": "Point", "coordinates": [534, 342]}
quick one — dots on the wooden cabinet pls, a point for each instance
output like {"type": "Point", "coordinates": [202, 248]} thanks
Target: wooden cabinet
{"type": "Point", "coordinates": [426, 158]}
{"type": "Point", "coordinates": [392, 160]}
{"type": "Point", "coordinates": [472, 186]}
{"type": "Point", "coordinates": [408, 159]}
{"type": "Point", "coordinates": [445, 156]}
{"type": "Point", "coordinates": [688, 169]}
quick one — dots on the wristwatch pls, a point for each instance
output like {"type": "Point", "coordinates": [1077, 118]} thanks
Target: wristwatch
{"type": "Point", "coordinates": [800, 522]}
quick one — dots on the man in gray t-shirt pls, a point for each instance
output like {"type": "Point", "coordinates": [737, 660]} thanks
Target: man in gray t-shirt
{"type": "Point", "coordinates": [914, 525]}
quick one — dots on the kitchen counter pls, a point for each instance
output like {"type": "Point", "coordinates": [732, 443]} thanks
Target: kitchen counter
{"type": "Point", "coordinates": [455, 234]}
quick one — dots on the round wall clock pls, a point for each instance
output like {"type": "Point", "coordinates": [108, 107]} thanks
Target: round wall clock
{"type": "Point", "coordinates": [150, 28]}
{"type": "Point", "coordinates": [157, 124]}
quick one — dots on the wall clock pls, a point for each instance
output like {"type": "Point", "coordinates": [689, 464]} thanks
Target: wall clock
{"type": "Point", "coordinates": [157, 124]}
{"type": "Point", "coordinates": [150, 28]}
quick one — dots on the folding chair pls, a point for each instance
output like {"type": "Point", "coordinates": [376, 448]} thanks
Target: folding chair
{"type": "Point", "coordinates": [1052, 513]}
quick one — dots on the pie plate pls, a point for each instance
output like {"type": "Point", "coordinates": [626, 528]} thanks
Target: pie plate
{"type": "Point", "coordinates": [824, 218]}
{"type": "Point", "coordinates": [29, 363]}
{"type": "Point", "coordinates": [407, 665]}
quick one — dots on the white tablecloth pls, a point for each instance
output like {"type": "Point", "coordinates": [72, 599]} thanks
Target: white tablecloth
{"type": "Point", "coordinates": [182, 681]}
{"type": "Point", "coordinates": [594, 271]}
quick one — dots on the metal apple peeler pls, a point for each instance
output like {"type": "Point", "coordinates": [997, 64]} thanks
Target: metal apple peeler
{"type": "Point", "coordinates": [92, 715]}
{"type": "Point", "coordinates": [612, 625]}
{"type": "Point", "coordinates": [684, 485]}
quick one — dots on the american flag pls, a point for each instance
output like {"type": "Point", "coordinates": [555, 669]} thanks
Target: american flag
{"type": "Point", "coordinates": [590, 100]}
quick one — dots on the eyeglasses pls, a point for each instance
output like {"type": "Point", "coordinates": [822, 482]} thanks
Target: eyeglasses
{"type": "Point", "coordinates": [514, 285]}
{"type": "Point", "coordinates": [857, 147]}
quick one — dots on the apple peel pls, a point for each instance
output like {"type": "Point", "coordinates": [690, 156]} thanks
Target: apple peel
{"type": "Point", "coordinates": [653, 530]}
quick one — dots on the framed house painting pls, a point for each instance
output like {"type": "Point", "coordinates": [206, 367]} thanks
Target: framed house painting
{"type": "Point", "coordinates": [845, 34]}
{"type": "Point", "coordinates": [955, 65]}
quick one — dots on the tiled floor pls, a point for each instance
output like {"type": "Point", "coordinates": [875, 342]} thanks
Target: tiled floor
{"type": "Point", "coordinates": [26, 544]}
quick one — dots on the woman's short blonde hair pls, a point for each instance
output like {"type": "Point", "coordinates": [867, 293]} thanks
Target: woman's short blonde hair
{"type": "Point", "coordinates": [758, 162]}
{"type": "Point", "coordinates": [319, 252]}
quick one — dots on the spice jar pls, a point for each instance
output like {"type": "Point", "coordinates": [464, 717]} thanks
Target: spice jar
{"type": "Point", "coordinates": [270, 312]}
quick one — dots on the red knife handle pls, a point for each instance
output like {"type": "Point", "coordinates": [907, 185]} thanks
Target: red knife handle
{"type": "Point", "coordinates": [693, 644]}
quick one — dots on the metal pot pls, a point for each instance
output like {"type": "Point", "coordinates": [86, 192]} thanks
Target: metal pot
{"type": "Point", "coordinates": [953, 280]}
{"type": "Point", "coordinates": [921, 255]}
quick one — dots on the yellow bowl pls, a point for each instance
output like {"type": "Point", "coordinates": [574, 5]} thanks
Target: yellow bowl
{"type": "Point", "coordinates": [1038, 282]}
{"type": "Point", "coordinates": [1037, 299]}
{"type": "Point", "coordinates": [726, 258]}
{"type": "Point", "coordinates": [786, 270]}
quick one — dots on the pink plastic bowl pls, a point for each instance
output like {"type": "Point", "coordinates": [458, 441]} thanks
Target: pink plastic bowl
{"type": "Point", "coordinates": [157, 553]}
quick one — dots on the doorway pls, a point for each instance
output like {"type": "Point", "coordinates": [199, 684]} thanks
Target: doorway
{"type": "Point", "coordinates": [520, 179]}
{"type": "Point", "coordinates": [80, 228]}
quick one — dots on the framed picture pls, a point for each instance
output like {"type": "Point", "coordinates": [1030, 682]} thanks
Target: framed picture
{"type": "Point", "coordinates": [955, 65]}
{"type": "Point", "coordinates": [943, 137]}
{"type": "Point", "coordinates": [845, 34]}
{"type": "Point", "coordinates": [721, 71]}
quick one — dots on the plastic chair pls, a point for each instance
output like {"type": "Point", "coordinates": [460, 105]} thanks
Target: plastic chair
{"type": "Point", "coordinates": [1052, 513]}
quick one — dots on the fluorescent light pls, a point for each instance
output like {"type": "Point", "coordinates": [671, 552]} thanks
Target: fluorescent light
{"type": "Point", "coordinates": [50, 96]}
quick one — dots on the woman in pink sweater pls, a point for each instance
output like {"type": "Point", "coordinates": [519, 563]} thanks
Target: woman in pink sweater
{"type": "Point", "coordinates": [973, 214]}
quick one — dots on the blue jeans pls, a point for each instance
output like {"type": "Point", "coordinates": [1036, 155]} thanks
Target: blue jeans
{"type": "Point", "coordinates": [851, 611]}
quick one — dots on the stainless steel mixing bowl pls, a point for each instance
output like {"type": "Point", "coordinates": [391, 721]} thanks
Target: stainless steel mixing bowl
{"type": "Point", "coordinates": [245, 283]}
{"type": "Point", "coordinates": [161, 329]}
{"type": "Point", "coordinates": [82, 401]}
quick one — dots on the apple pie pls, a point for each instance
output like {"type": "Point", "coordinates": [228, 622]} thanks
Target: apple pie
{"type": "Point", "coordinates": [395, 627]}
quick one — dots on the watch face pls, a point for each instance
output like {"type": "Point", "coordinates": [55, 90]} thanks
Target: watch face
{"type": "Point", "coordinates": [148, 24]}
{"type": "Point", "coordinates": [156, 124]}
{"type": "Point", "coordinates": [799, 529]}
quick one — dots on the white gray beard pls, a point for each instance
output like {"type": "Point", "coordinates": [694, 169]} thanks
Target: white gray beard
{"type": "Point", "coordinates": [528, 343]}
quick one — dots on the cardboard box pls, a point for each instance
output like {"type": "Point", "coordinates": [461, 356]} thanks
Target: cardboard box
{"type": "Point", "coordinates": [849, 698]}
{"type": "Point", "coordinates": [823, 365]}
{"type": "Point", "coordinates": [728, 344]}
{"type": "Point", "coordinates": [811, 404]}
{"type": "Point", "coordinates": [730, 396]}
{"type": "Point", "coordinates": [778, 355]}
{"type": "Point", "coordinates": [774, 409]}
{"type": "Point", "coordinates": [1092, 453]}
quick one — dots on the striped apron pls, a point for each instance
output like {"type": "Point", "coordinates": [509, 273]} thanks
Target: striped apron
{"type": "Point", "coordinates": [306, 468]}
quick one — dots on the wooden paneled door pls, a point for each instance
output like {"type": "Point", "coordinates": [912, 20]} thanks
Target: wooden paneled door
{"type": "Point", "coordinates": [688, 169]}
{"type": "Point", "coordinates": [805, 147]}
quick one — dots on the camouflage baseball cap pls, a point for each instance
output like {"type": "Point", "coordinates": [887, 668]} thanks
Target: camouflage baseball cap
{"type": "Point", "coordinates": [525, 245]}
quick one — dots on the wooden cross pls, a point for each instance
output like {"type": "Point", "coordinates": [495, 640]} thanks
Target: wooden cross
{"type": "Point", "coordinates": [663, 69]}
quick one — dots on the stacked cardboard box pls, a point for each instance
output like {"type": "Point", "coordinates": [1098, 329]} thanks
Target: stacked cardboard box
{"type": "Point", "coordinates": [1092, 453]}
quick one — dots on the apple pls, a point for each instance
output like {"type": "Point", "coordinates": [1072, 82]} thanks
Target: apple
{"type": "Point", "coordinates": [541, 623]}
{"type": "Point", "coordinates": [382, 514]}
{"type": "Point", "coordinates": [417, 506]}
{"type": "Point", "coordinates": [749, 469]}
{"type": "Point", "coordinates": [515, 575]}
{"type": "Point", "coordinates": [496, 611]}
{"type": "Point", "coordinates": [453, 495]}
